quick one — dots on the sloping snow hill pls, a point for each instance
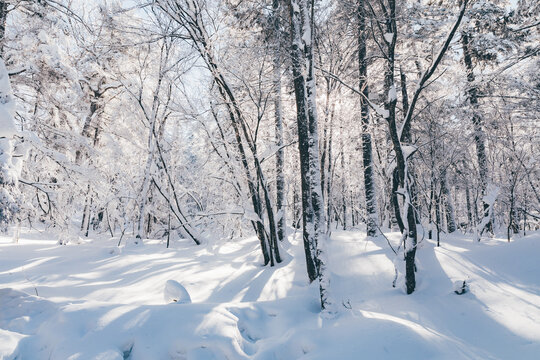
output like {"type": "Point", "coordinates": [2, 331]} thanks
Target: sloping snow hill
{"type": "Point", "coordinates": [95, 301]}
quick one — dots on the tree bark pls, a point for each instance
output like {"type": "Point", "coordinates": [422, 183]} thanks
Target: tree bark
{"type": "Point", "coordinates": [449, 204]}
{"type": "Point", "coordinates": [280, 177]}
{"type": "Point", "coordinates": [367, 152]}
{"type": "Point", "coordinates": [479, 133]}
{"type": "Point", "coordinates": [3, 18]}
{"type": "Point", "coordinates": [303, 138]}
{"type": "Point", "coordinates": [301, 17]}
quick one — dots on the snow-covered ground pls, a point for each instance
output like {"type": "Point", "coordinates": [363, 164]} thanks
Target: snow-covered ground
{"type": "Point", "coordinates": [95, 301]}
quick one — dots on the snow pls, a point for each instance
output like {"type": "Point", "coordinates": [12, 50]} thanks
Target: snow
{"type": "Point", "coordinates": [7, 123]}
{"type": "Point", "coordinates": [492, 192]}
{"type": "Point", "coordinates": [388, 37]}
{"type": "Point", "coordinates": [392, 95]}
{"type": "Point", "coordinates": [408, 150]}
{"type": "Point", "coordinates": [86, 301]}
{"type": "Point", "coordinates": [381, 111]}
{"type": "Point", "coordinates": [175, 292]}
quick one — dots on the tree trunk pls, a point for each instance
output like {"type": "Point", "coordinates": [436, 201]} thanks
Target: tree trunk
{"type": "Point", "coordinates": [329, 176]}
{"type": "Point", "coordinates": [344, 187]}
{"type": "Point", "coordinates": [479, 134]}
{"type": "Point", "coordinates": [297, 58]}
{"type": "Point", "coordinates": [449, 205]}
{"type": "Point", "coordinates": [469, 207]}
{"type": "Point", "coordinates": [438, 216]}
{"type": "Point", "coordinates": [430, 207]}
{"type": "Point", "coordinates": [409, 234]}
{"type": "Point", "coordinates": [301, 17]}
{"type": "Point", "coordinates": [3, 18]}
{"type": "Point", "coordinates": [367, 152]}
{"type": "Point", "coordinates": [280, 177]}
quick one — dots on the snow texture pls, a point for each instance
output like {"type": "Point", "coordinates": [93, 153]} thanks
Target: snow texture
{"type": "Point", "coordinates": [84, 302]}
{"type": "Point", "coordinates": [381, 111]}
{"type": "Point", "coordinates": [392, 95]}
{"type": "Point", "coordinates": [175, 292]}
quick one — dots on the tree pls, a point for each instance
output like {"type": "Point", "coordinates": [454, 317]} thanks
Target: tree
{"type": "Point", "coordinates": [367, 152]}
{"type": "Point", "coordinates": [314, 232]}
{"type": "Point", "coordinates": [189, 15]}
{"type": "Point", "coordinates": [278, 112]}
{"type": "Point", "coordinates": [388, 35]}
{"type": "Point", "coordinates": [10, 158]}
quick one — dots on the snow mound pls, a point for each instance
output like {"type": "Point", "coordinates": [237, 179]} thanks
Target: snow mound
{"type": "Point", "coordinates": [175, 292]}
{"type": "Point", "coordinates": [21, 312]}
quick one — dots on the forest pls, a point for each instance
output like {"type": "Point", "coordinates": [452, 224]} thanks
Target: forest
{"type": "Point", "coordinates": [291, 140]}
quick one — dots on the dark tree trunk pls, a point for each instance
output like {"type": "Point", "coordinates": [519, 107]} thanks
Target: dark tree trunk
{"type": "Point", "coordinates": [367, 153]}
{"type": "Point", "coordinates": [280, 177]}
{"type": "Point", "coordinates": [303, 142]}
{"type": "Point", "coordinates": [344, 190]}
{"type": "Point", "coordinates": [469, 207]}
{"type": "Point", "coordinates": [328, 169]}
{"type": "Point", "coordinates": [430, 207]}
{"type": "Point", "coordinates": [438, 216]}
{"type": "Point", "coordinates": [450, 216]}
{"type": "Point", "coordinates": [479, 133]}
{"type": "Point", "coordinates": [301, 16]}
{"type": "Point", "coordinates": [409, 236]}
{"type": "Point", "coordinates": [3, 18]}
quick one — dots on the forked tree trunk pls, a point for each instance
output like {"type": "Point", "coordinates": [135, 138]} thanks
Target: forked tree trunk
{"type": "Point", "coordinates": [408, 215]}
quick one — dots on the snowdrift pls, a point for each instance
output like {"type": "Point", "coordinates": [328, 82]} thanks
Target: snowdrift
{"type": "Point", "coordinates": [88, 302]}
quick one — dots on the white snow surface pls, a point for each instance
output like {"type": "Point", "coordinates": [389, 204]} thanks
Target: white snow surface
{"type": "Point", "coordinates": [388, 37]}
{"type": "Point", "coordinates": [89, 301]}
{"type": "Point", "coordinates": [175, 292]}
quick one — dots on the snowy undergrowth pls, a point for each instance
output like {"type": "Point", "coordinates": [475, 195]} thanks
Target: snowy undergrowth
{"type": "Point", "coordinates": [92, 301]}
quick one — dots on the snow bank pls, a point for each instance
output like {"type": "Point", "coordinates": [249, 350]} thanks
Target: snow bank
{"type": "Point", "coordinates": [94, 304]}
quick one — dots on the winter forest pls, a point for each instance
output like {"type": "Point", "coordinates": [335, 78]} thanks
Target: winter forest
{"type": "Point", "coordinates": [269, 179]}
